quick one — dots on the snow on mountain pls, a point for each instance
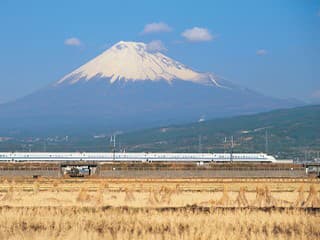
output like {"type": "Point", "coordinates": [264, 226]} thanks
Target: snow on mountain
{"type": "Point", "coordinates": [131, 61]}
{"type": "Point", "coordinates": [128, 87]}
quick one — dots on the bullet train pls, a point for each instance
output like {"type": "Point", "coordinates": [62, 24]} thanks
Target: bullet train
{"type": "Point", "coordinates": [136, 157]}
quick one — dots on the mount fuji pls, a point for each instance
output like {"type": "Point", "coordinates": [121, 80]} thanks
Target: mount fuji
{"type": "Point", "coordinates": [130, 86]}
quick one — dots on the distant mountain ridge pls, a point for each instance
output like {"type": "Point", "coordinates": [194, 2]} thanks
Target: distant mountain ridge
{"type": "Point", "coordinates": [290, 133]}
{"type": "Point", "coordinates": [127, 87]}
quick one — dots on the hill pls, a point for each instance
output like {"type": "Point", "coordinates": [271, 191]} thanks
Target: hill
{"type": "Point", "coordinates": [289, 133]}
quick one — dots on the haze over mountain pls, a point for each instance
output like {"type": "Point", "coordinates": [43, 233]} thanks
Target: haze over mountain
{"type": "Point", "coordinates": [291, 132]}
{"type": "Point", "coordinates": [127, 87]}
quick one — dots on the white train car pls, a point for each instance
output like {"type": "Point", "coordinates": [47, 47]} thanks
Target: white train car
{"type": "Point", "coordinates": [136, 157]}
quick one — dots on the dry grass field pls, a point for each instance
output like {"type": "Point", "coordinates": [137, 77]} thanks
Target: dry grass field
{"type": "Point", "coordinates": [159, 209]}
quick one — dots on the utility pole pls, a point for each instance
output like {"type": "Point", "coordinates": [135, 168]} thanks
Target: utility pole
{"type": "Point", "coordinates": [267, 141]}
{"type": "Point", "coordinates": [113, 140]}
{"type": "Point", "coordinates": [231, 154]}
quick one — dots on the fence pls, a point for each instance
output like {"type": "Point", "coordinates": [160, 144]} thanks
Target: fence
{"type": "Point", "coordinates": [30, 171]}
{"type": "Point", "coordinates": [202, 173]}
{"type": "Point", "coordinates": [163, 172]}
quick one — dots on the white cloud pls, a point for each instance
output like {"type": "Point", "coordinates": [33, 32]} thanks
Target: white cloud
{"type": "Point", "coordinates": [261, 52]}
{"type": "Point", "coordinates": [156, 46]}
{"type": "Point", "coordinates": [72, 42]}
{"type": "Point", "coordinates": [156, 27]}
{"type": "Point", "coordinates": [197, 34]}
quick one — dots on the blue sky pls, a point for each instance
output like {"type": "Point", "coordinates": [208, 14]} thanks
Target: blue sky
{"type": "Point", "coordinates": [271, 46]}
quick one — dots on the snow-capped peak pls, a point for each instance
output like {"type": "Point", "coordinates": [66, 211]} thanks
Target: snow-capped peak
{"type": "Point", "coordinates": [131, 61]}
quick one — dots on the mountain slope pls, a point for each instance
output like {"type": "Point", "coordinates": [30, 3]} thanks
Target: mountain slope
{"type": "Point", "coordinates": [127, 87]}
{"type": "Point", "coordinates": [131, 61]}
{"type": "Point", "coordinates": [290, 132]}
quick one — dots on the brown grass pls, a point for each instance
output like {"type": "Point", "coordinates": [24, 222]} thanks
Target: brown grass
{"type": "Point", "coordinates": [225, 200]}
{"type": "Point", "coordinates": [110, 209]}
{"type": "Point", "coordinates": [241, 200]}
{"type": "Point", "coordinates": [83, 195]}
{"type": "Point", "coordinates": [36, 187]}
{"type": "Point", "coordinates": [9, 195]}
{"type": "Point", "coordinates": [123, 223]}
{"type": "Point", "coordinates": [55, 186]}
{"type": "Point", "coordinates": [129, 195]}
{"type": "Point", "coordinates": [300, 199]}
{"type": "Point", "coordinates": [313, 199]}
